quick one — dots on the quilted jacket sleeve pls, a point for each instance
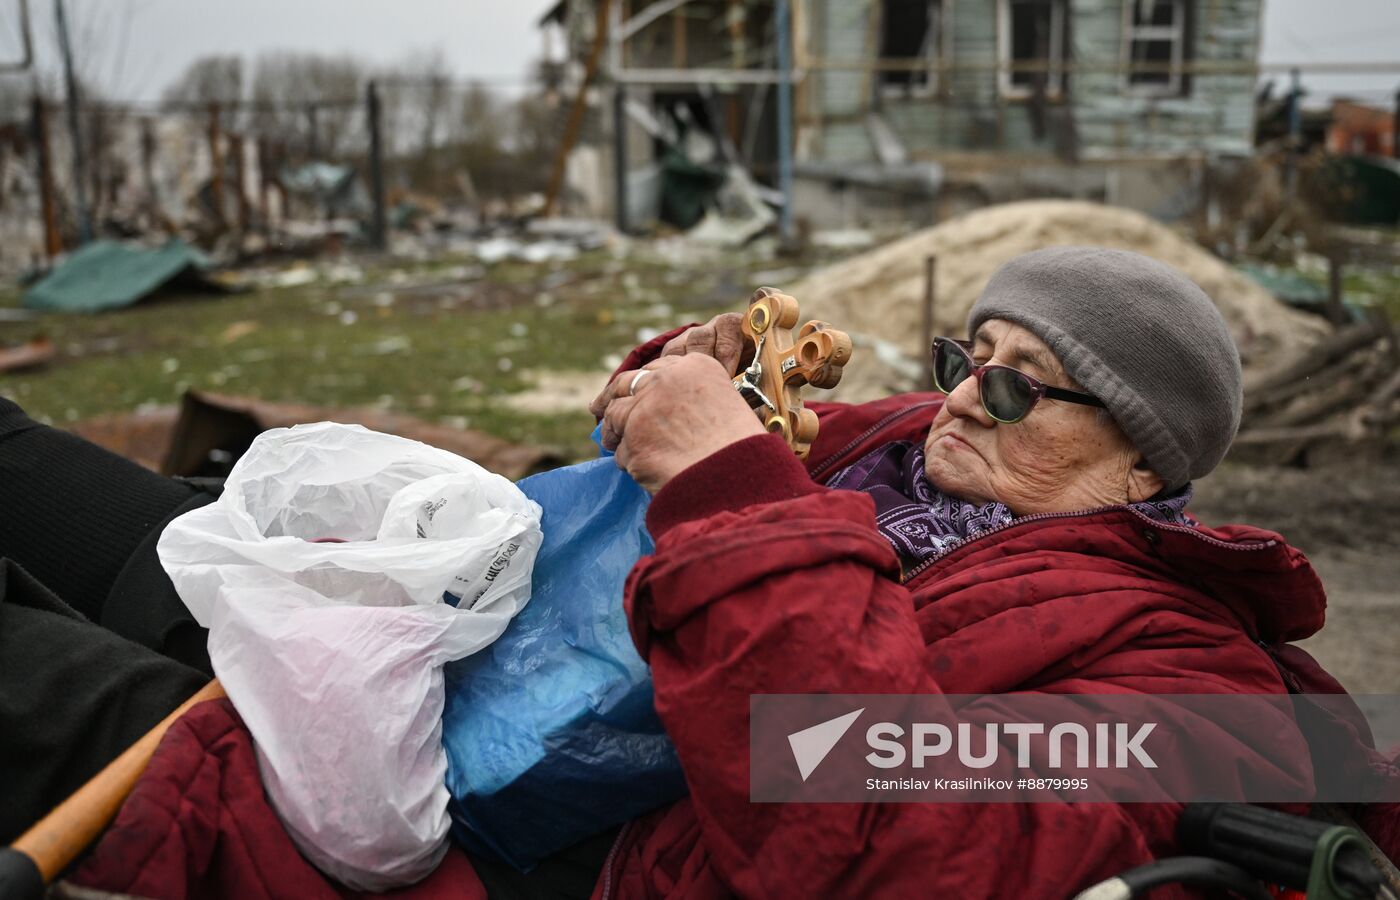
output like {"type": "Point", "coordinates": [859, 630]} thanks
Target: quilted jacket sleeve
{"type": "Point", "coordinates": [775, 584]}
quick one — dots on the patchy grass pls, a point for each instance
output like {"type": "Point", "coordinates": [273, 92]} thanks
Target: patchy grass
{"type": "Point", "coordinates": [444, 340]}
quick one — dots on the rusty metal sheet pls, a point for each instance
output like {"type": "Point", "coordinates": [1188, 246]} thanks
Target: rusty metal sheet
{"type": "Point", "coordinates": [29, 355]}
{"type": "Point", "coordinates": [142, 437]}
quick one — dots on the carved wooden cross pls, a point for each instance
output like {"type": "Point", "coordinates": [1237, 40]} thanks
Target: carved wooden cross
{"type": "Point", "coordinates": [782, 365]}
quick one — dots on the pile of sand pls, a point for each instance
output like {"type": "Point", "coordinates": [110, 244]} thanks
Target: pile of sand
{"type": "Point", "coordinates": [880, 294]}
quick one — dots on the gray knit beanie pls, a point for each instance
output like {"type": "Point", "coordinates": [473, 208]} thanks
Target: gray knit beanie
{"type": "Point", "coordinates": [1138, 335]}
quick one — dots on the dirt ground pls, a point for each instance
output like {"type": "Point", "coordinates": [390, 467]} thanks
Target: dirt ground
{"type": "Point", "coordinates": [1346, 518]}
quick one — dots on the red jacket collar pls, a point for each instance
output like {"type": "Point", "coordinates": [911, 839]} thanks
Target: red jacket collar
{"type": "Point", "coordinates": [1269, 584]}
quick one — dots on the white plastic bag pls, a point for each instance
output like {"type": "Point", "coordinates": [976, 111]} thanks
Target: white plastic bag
{"type": "Point", "coordinates": [338, 572]}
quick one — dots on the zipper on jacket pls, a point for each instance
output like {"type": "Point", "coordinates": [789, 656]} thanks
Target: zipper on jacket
{"type": "Point", "coordinates": [913, 573]}
{"type": "Point", "coordinates": [820, 468]}
{"type": "Point", "coordinates": [611, 861]}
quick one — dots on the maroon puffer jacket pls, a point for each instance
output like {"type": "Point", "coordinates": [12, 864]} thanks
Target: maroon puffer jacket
{"type": "Point", "coordinates": [199, 826]}
{"type": "Point", "coordinates": [763, 581]}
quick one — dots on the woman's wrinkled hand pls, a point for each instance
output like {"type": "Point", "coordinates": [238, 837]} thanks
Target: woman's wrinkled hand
{"type": "Point", "coordinates": [721, 338]}
{"type": "Point", "coordinates": [684, 408]}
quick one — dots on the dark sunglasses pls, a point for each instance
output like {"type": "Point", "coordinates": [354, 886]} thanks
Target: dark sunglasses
{"type": "Point", "coordinates": [1008, 395]}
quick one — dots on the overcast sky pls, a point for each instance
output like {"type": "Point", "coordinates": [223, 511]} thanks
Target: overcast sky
{"type": "Point", "coordinates": [136, 47]}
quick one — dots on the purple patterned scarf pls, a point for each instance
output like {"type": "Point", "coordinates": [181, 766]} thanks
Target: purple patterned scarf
{"type": "Point", "coordinates": [920, 521]}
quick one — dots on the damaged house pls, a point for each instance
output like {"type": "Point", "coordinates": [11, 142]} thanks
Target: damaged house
{"type": "Point", "coordinates": [904, 110]}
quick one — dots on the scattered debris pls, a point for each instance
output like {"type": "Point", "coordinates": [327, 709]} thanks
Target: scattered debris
{"type": "Point", "coordinates": [298, 275]}
{"type": "Point", "coordinates": [342, 273]}
{"type": "Point", "coordinates": [110, 275]}
{"type": "Point", "coordinates": [881, 293]}
{"type": "Point", "coordinates": [336, 189]}
{"type": "Point", "coordinates": [542, 241]}
{"type": "Point", "coordinates": [739, 216]}
{"type": "Point", "coordinates": [29, 355]}
{"type": "Point", "coordinates": [499, 249]}
{"type": "Point", "coordinates": [238, 330]}
{"type": "Point", "coordinates": [844, 239]}
{"type": "Point", "coordinates": [585, 234]}
{"type": "Point", "coordinates": [387, 346]}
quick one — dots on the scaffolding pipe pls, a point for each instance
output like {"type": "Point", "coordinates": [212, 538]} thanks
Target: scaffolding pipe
{"type": "Point", "coordinates": [620, 157]}
{"type": "Point", "coordinates": [784, 113]}
{"type": "Point", "coordinates": [647, 16]}
{"type": "Point", "coordinates": [721, 76]}
{"type": "Point", "coordinates": [379, 224]}
{"type": "Point", "coordinates": [1295, 135]}
{"type": "Point", "coordinates": [216, 166]}
{"type": "Point", "coordinates": [702, 76]}
{"type": "Point", "coordinates": [1395, 129]}
{"type": "Point", "coordinates": [238, 148]}
{"type": "Point", "coordinates": [74, 130]}
{"type": "Point", "coordinates": [53, 238]}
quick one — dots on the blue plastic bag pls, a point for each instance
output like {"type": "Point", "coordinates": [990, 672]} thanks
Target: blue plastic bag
{"type": "Point", "coordinates": [551, 733]}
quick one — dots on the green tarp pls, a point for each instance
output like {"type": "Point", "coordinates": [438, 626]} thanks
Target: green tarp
{"type": "Point", "coordinates": [1285, 284]}
{"type": "Point", "coordinates": [109, 275]}
{"type": "Point", "coordinates": [1294, 289]}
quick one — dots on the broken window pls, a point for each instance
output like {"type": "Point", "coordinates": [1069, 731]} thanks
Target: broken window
{"type": "Point", "coordinates": [911, 33]}
{"type": "Point", "coordinates": [1032, 44]}
{"type": "Point", "coordinates": [1156, 46]}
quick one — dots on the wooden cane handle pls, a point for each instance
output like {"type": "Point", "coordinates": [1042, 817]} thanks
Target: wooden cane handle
{"type": "Point", "coordinates": [58, 838]}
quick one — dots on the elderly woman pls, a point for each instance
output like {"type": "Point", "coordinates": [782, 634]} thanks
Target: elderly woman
{"type": "Point", "coordinates": [1022, 530]}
